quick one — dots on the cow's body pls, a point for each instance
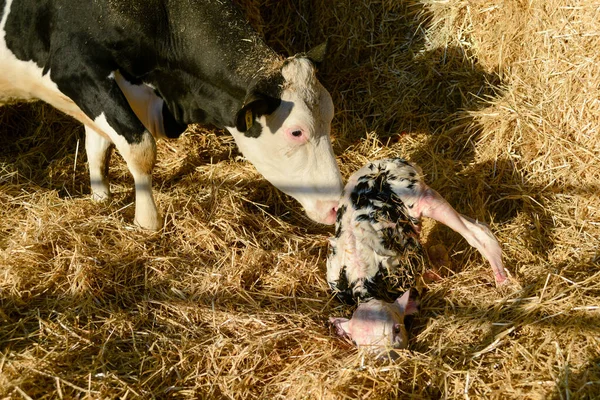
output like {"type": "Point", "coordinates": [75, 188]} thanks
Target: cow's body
{"type": "Point", "coordinates": [135, 70]}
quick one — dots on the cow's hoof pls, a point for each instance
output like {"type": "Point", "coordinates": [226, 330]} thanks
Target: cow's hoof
{"type": "Point", "coordinates": [100, 192]}
{"type": "Point", "coordinates": [151, 224]}
{"type": "Point", "coordinates": [101, 197]}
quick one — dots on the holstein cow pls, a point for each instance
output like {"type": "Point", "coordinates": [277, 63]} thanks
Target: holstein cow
{"type": "Point", "coordinates": [135, 70]}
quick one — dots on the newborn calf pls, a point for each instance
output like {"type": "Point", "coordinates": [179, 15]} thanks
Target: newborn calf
{"type": "Point", "coordinates": [378, 325]}
{"type": "Point", "coordinates": [377, 232]}
{"type": "Point", "coordinates": [375, 254]}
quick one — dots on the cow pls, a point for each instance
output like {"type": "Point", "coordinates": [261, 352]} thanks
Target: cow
{"type": "Point", "coordinates": [133, 71]}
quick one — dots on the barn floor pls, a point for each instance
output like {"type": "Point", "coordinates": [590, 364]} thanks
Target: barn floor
{"type": "Point", "coordinates": [498, 102]}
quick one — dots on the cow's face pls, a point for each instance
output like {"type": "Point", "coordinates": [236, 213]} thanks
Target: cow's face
{"type": "Point", "coordinates": [290, 144]}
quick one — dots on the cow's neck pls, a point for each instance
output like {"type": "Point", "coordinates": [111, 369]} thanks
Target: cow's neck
{"type": "Point", "coordinates": [206, 83]}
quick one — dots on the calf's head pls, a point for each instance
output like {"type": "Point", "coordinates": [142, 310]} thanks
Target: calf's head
{"type": "Point", "coordinates": [283, 130]}
{"type": "Point", "coordinates": [378, 326]}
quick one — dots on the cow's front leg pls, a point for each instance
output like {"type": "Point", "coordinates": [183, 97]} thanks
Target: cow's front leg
{"type": "Point", "coordinates": [140, 155]}
{"type": "Point", "coordinates": [139, 152]}
{"type": "Point", "coordinates": [140, 158]}
{"type": "Point", "coordinates": [110, 116]}
{"type": "Point", "coordinates": [98, 154]}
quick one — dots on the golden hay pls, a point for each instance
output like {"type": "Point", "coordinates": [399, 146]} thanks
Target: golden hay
{"type": "Point", "coordinates": [498, 102]}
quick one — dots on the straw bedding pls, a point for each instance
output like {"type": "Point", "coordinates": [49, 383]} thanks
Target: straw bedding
{"type": "Point", "coordinates": [498, 102]}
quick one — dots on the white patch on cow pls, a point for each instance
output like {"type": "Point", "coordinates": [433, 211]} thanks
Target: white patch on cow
{"type": "Point", "coordinates": [146, 105]}
{"type": "Point", "coordinates": [359, 250]}
{"type": "Point", "coordinates": [305, 170]}
{"type": "Point", "coordinates": [96, 147]}
{"type": "Point", "coordinates": [140, 159]}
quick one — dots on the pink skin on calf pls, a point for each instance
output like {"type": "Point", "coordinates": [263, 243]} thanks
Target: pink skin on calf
{"type": "Point", "coordinates": [430, 204]}
{"type": "Point", "coordinates": [378, 326]}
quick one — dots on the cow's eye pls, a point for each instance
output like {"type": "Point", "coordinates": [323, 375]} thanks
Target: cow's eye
{"type": "Point", "coordinates": [397, 329]}
{"type": "Point", "coordinates": [296, 134]}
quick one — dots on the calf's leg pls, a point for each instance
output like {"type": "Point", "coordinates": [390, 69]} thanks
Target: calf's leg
{"type": "Point", "coordinates": [431, 204]}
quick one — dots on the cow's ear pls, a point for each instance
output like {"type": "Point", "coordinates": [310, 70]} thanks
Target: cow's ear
{"type": "Point", "coordinates": [255, 105]}
{"type": "Point", "coordinates": [317, 54]}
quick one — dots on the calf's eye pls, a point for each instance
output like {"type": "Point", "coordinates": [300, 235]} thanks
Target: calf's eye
{"type": "Point", "coordinates": [397, 329]}
{"type": "Point", "coordinates": [297, 134]}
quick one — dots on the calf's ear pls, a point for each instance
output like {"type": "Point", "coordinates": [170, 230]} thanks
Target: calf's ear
{"type": "Point", "coordinates": [408, 303]}
{"type": "Point", "coordinates": [255, 105]}
{"type": "Point", "coordinates": [342, 326]}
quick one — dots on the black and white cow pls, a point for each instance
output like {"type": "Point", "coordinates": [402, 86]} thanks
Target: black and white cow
{"type": "Point", "coordinates": [135, 70]}
{"type": "Point", "coordinates": [375, 251]}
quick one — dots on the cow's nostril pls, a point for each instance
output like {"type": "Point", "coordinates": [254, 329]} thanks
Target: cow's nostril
{"type": "Point", "coordinates": [331, 216]}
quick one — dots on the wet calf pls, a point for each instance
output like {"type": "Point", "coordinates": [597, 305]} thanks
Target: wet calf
{"type": "Point", "coordinates": [375, 253]}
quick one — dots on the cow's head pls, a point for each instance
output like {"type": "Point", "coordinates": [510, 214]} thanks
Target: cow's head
{"type": "Point", "coordinates": [283, 129]}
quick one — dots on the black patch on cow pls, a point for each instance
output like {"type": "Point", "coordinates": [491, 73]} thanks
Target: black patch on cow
{"type": "Point", "coordinates": [263, 98]}
{"type": "Point", "coordinates": [332, 251]}
{"type": "Point", "coordinates": [400, 161]}
{"type": "Point", "coordinates": [254, 132]}
{"type": "Point", "coordinates": [378, 203]}
{"type": "Point", "coordinates": [340, 213]}
{"type": "Point", "coordinates": [199, 79]}
{"type": "Point", "coordinates": [368, 217]}
{"type": "Point", "coordinates": [28, 30]}
{"type": "Point", "coordinates": [380, 287]}
{"type": "Point", "coordinates": [364, 193]}
{"type": "Point", "coordinates": [172, 128]}
{"type": "Point", "coordinates": [388, 285]}
{"type": "Point", "coordinates": [338, 220]}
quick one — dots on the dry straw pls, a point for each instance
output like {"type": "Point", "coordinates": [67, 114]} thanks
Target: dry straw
{"type": "Point", "coordinates": [497, 101]}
